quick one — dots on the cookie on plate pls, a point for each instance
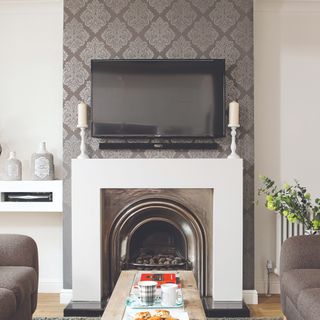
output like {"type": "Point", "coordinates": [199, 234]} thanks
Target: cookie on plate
{"type": "Point", "coordinates": [144, 315]}
{"type": "Point", "coordinates": [164, 314]}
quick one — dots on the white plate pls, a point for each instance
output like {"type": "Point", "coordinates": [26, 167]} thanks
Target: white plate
{"type": "Point", "coordinates": [179, 314]}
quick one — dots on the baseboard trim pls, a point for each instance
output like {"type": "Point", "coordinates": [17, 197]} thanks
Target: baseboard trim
{"type": "Point", "coordinates": [65, 296]}
{"type": "Point", "coordinates": [50, 286]}
{"type": "Point", "coordinates": [250, 296]}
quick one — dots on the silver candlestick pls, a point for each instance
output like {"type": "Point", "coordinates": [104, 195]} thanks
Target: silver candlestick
{"type": "Point", "coordinates": [233, 147]}
{"type": "Point", "coordinates": [83, 149]}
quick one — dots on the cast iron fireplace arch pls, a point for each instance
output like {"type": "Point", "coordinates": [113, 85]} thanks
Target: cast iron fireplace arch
{"type": "Point", "coordinates": [166, 210]}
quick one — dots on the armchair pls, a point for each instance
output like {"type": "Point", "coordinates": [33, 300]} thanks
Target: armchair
{"type": "Point", "coordinates": [18, 277]}
{"type": "Point", "coordinates": [300, 278]}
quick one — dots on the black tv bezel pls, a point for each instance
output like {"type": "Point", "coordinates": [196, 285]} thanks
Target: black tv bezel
{"type": "Point", "coordinates": [218, 64]}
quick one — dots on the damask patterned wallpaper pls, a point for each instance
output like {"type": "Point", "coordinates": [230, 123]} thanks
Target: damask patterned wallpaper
{"type": "Point", "coordinates": [158, 29]}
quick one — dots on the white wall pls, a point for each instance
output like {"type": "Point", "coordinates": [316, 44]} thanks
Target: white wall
{"type": "Point", "coordinates": [31, 112]}
{"type": "Point", "coordinates": [287, 108]}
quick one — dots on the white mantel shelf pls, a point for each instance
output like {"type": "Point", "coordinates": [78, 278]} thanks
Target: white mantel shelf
{"type": "Point", "coordinates": [90, 176]}
{"type": "Point", "coordinates": [54, 186]}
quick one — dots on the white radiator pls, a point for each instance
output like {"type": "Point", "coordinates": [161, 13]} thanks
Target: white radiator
{"type": "Point", "coordinates": [285, 230]}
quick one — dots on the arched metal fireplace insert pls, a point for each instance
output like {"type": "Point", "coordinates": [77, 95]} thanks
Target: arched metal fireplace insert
{"type": "Point", "coordinates": [157, 233]}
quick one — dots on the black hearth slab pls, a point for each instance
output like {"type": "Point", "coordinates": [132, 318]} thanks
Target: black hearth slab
{"type": "Point", "coordinates": [85, 309]}
{"type": "Point", "coordinates": [224, 309]}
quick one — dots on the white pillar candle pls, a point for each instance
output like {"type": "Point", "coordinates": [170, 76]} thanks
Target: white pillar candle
{"type": "Point", "coordinates": [82, 115]}
{"type": "Point", "coordinates": [234, 113]}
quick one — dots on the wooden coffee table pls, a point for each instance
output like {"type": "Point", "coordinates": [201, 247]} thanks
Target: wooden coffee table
{"type": "Point", "coordinates": [116, 306]}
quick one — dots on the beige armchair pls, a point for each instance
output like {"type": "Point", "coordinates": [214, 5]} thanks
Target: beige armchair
{"type": "Point", "coordinates": [18, 277]}
{"type": "Point", "coordinates": [300, 278]}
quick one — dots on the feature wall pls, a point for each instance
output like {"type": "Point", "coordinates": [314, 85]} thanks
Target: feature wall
{"type": "Point", "coordinates": [166, 29]}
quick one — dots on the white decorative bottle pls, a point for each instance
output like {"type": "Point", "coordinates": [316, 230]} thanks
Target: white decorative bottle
{"type": "Point", "coordinates": [42, 167]}
{"type": "Point", "coordinates": [13, 168]}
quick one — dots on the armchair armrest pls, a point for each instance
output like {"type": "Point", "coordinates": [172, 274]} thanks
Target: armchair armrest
{"type": "Point", "coordinates": [300, 252]}
{"type": "Point", "coordinates": [18, 250]}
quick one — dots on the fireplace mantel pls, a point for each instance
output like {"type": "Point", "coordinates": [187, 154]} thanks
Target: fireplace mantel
{"type": "Point", "coordinates": [224, 176]}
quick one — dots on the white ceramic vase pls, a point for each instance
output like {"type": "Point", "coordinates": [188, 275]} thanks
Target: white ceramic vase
{"type": "Point", "coordinates": [13, 168]}
{"type": "Point", "coordinates": [42, 167]}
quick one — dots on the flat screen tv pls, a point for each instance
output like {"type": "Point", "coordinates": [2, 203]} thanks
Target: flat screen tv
{"type": "Point", "coordinates": [158, 98]}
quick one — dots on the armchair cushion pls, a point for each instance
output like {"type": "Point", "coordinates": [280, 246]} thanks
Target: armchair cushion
{"type": "Point", "coordinates": [294, 281]}
{"type": "Point", "coordinates": [7, 304]}
{"type": "Point", "coordinates": [22, 281]}
{"type": "Point", "coordinates": [308, 303]}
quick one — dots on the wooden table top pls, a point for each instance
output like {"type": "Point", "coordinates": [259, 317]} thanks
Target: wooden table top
{"type": "Point", "coordinates": [116, 306]}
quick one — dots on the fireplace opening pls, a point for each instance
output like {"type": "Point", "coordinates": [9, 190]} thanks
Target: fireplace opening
{"type": "Point", "coordinates": [157, 245]}
{"type": "Point", "coordinates": [157, 229]}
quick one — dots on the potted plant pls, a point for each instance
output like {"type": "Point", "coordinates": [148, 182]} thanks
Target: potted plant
{"type": "Point", "coordinates": [293, 202]}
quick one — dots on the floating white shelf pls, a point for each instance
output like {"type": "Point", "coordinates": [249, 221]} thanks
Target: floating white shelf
{"type": "Point", "coordinates": [24, 196]}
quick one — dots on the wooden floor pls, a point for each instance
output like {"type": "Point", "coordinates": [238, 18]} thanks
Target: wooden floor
{"type": "Point", "coordinates": [49, 306]}
{"type": "Point", "coordinates": [267, 307]}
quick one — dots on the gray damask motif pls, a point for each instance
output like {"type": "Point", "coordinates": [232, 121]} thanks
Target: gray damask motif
{"type": "Point", "coordinates": [117, 5]}
{"type": "Point", "coordinates": [159, 34]}
{"type": "Point", "coordinates": [117, 154]}
{"type": "Point", "coordinates": [247, 140]}
{"type": "Point", "coordinates": [233, 92]}
{"type": "Point", "coordinates": [74, 5]}
{"type": "Point", "coordinates": [181, 48]}
{"type": "Point", "coordinates": [160, 5]}
{"type": "Point", "coordinates": [65, 55]}
{"type": "Point", "coordinates": [225, 15]}
{"type": "Point", "coordinates": [225, 49]}
{"type": "Point", "coordinates": [65, 94]}
{"type": "Point", "coordinates": [65, 17]}
{"type": "Point", "coordinates": [138, 49]}
{"type": "Point", "coordinates": [246, 113]}
{"type": "Point", "coordinates": [71, 148]}
{"type": "Point", "coordinates": [74, 74]}
{"type": "Point", "coordinates": [95, 16]}
{"type": "Point", "coordinates": [203, 35]}
{"type": "Point", "coordinates": [243, 5]}
{"type": "Point", "coordinates": [174, 29]}
{"type": "Point", "coordinates": [71, 113]}
{"type": "Point", "coordinates": [181, 15]}
{"type": "Point", "coordinates": [243, 33]}
{"type": "Point", "coordinates": [65, 136]}
{"type": "Point", "coordinates": [85, 93]}
{"type": "Point", "coordinates": [248, 188]}
{"type": "Point", "coordinates": [75, 35]}
{"type": "Point", "coordinates": [159, 154]}
{"type": "Point", "coordinates": [95, 49]}
{"type": "Point", "coordinates": [243, 73]}
{"type": "Point", "coordinates": [138, 15]}
{"type": "Point", "coordinates": [116, 35]}
{"type": "Point", "coordinates": [203, 5]}
{"type": "Point", "coordinates": [93, 143]}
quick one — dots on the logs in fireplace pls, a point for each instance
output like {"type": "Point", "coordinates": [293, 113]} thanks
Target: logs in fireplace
{"type": "Point", "coordinates": [159, 258]}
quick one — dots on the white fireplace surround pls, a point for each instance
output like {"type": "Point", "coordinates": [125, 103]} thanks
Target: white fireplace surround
{"type": "Point", "coordinates": [224, 176]}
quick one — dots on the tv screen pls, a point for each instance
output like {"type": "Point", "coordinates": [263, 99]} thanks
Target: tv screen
{"type": "Point", "coordinates": [158, 98]}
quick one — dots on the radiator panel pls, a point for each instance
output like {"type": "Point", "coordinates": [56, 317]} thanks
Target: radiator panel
{"type": "Point", "coordinates": [285, 230]}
